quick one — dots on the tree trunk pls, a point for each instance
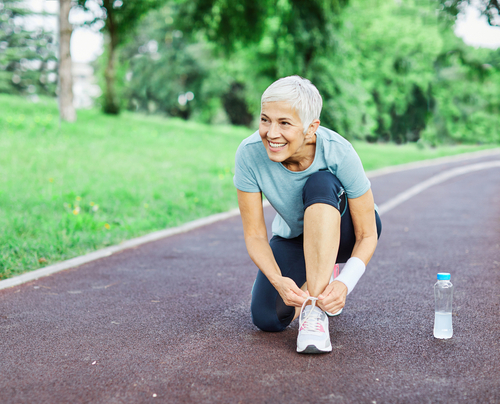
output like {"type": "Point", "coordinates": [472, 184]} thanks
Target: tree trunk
{"type": "Point", "coordinates": [66, 108]}
{"type": "Point", "coordinates": [111, 105]}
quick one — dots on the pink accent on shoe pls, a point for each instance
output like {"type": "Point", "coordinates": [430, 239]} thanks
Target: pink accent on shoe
{"type": "Point", "coordinates": [320, 327]}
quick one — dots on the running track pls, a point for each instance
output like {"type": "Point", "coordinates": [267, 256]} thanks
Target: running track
{"type": "Point", "coordinates": [168, 321]}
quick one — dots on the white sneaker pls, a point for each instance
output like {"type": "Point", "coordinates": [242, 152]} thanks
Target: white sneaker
{"type": "Point", "coordinates": [336, 272]}
{"type": "Point", "coordinates": [314, 335]}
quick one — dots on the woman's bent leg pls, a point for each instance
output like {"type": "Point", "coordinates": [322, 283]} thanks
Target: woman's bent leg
{"type": "Point", "coordinates": [321, 242]}
{"type": "Point", "coordinates": [322, 228]}
{"type": "Point", "coordinates": [269, 312]}
{"type": "Point", "coordinates": [323, 187]}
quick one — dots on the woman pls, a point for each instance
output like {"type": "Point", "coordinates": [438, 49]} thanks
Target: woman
{"type": "Point", "coordinates": [315, 181]}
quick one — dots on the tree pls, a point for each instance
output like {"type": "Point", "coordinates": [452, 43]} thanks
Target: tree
{"type": "Point", "coordinates": [273, 38]}
{"type": "Point", "coordinates": [165, 72]}
{"type": "Point", "coordinates": [426, 84]}
{"type": "Point", "coordinates": [302, 27]}
{"type": "Point", "coordinates": [66, 108]}
{"type": "Point", "coordinates": [27, 55]}
{"type": "Point", "coordinates": [118, 20]}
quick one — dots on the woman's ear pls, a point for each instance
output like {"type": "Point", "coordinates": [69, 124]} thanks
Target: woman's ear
{"type": "Point", "coordinates": [313, 127]}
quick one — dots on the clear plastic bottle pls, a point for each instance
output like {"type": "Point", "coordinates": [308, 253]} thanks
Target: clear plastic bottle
{"type": "Point", "coordinates": [443, 293]}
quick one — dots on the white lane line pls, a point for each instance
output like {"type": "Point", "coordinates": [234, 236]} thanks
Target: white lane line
{"type": "Point", "coordinates": [74, 262]}
{"type": "Point", "coordinates": [437, 179]}
{"type": "Point", "coordinates": [433, 162]}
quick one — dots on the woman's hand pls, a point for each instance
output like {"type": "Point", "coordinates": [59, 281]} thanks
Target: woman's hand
{"type": "Point", "coordinates": [333, 297]}
{"type": "Point", "coordinates": [291, 294]}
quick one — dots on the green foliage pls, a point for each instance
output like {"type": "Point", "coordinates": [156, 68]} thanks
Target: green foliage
{"type": "Point", "coordinates": [282, 37]}
{"type": "Point", "coordinates": [165, 72]}
{"type": "Point", "coordinates": [118, 19]}
{"type": "Point", "coordinates": [27, 57]}
{"type": "Point", "coordinates": [422, 82]}
{"type": "Point", "coordinates": [374, 80]}
{"type": "Point", "coordinates": [490, 8]}
{"type": "Point", "coordinates": [226, 22]}
{"type": "Point", "coordinates": [306, 26]}
{"type": "Point", "coordinates": [397, 45]}
{"type": "Point", "coordinates": [167, 59]}
{"type": "Point", "coordinates": [466, 107]}
{"type": "Point", "coordinates": [387, 71]}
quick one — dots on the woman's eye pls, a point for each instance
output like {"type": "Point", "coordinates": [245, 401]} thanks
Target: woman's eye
{"type": "Point", "coordinates": [285, 123]}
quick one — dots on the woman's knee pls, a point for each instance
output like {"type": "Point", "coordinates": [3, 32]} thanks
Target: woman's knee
{"type": "Point", "coordinates": [263, 306]}
{"type": "Point", "coordinates": [266, 320]}
{"type": "Point", "coordinates": [323, 187]}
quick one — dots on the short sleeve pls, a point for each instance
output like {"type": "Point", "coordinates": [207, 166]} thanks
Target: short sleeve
{"type": "Point", "coordinates": [351, 174]}
{"type": "Point", "coordinates": [244, 177]}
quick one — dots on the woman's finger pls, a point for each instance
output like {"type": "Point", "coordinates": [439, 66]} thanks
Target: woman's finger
{"type": "Point", "coordinates": [333, 297]}
{"type": "Point", "coordinates": [328, 290]}
{"type": "Point", "coordinates": [297, 299]}
{"type": "Point", "coordinates": [291, 294]}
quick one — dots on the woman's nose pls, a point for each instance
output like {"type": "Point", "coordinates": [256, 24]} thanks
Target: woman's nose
{"type": "Point", "coordinates": [273, 131]}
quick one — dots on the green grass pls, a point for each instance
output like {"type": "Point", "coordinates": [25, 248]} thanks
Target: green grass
{"type": "Point", "coordinates": [71, 189]}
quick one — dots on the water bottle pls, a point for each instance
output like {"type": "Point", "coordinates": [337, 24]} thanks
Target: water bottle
{"type": "Point", "coordinates": [443, 293]}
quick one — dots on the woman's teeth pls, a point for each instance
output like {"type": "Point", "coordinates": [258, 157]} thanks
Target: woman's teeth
{"type": "Point", "coordinates": [276, 145]}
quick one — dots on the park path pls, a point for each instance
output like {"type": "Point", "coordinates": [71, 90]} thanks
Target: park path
{"type": "Point", "coordinates": [169, 321]}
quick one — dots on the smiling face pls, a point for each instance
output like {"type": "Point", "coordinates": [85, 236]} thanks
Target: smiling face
{"type": "Point", "coordinates": [283, 135]}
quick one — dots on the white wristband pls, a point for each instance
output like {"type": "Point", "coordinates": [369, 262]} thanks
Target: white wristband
{"type": "Point", "coordinates": [353, 270]}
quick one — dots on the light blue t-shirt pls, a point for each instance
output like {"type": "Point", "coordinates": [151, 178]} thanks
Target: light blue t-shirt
{"type": "Point", "coordinates": [255, 172]}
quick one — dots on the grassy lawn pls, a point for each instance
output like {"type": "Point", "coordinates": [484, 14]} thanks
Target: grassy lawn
{"type": "Point", "coordinates": [71, 189]}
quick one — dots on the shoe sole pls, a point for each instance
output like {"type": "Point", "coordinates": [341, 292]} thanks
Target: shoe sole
{"type": "Point", "coordinates": [312, 349]}
{"type": "Point", "coordinates": [333, 315]}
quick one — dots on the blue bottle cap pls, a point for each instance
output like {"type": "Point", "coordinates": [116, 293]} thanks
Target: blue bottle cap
{"type": "Point", "coordinates": [443, 276]}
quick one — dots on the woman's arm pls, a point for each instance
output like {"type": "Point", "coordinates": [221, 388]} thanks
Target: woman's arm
{"type": "Point", "coordinates": [255, 232]}
{"type": "Point", "coordinates": [365, 227]}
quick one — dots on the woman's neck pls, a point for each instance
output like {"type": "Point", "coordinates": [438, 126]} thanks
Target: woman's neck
{"type": "Point", "coordinates": [302, 160]}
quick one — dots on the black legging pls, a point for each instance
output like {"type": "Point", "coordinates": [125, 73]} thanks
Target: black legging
{"type": "Point", "coordinates": [269, 312]}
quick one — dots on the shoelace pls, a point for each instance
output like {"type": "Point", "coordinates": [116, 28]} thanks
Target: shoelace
{"type": "Point", "coordinates": [311, 325]}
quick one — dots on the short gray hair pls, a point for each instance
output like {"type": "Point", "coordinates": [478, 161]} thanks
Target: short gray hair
{"type": "Point", "coordinates": [300, 93]}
